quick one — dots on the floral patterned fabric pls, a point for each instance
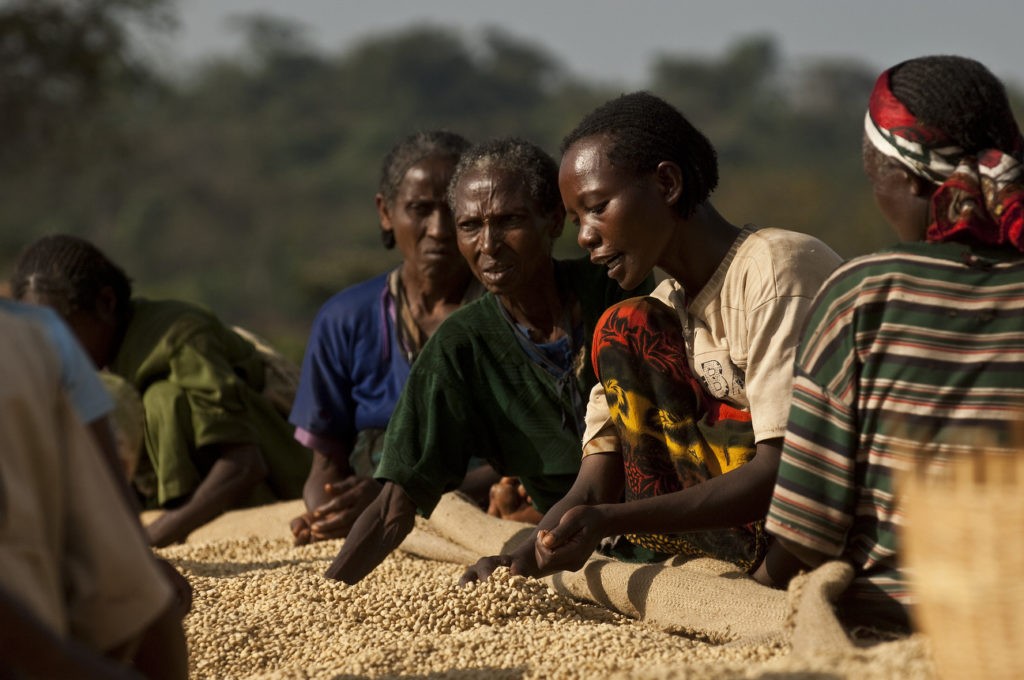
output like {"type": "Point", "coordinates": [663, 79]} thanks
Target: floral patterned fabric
{"type": "Point", "coordinates": [980, 197]}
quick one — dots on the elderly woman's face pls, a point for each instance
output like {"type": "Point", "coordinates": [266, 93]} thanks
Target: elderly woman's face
{"type": "Point", "coordinates": [420, 218]}
{"type": "Point", "coordinates": [504, 236]}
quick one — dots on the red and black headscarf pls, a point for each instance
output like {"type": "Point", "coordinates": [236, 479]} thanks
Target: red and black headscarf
{"type": "Point", "coordinates": [980, 197]}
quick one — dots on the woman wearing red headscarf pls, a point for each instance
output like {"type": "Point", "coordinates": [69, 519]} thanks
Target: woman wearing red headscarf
{"type": "Point", "coordinates": [916, 353]}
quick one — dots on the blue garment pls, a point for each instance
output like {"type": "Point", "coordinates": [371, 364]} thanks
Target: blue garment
{"type": "Point", "coordinates": [354, 368]}
{"type": "Point", "coordinates": [88, 396]}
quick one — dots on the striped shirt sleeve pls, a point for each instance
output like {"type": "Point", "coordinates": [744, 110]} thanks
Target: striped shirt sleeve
{"type": "Point", "coordinates": [815, 493]}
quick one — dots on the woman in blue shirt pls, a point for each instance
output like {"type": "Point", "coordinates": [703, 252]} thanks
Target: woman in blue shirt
{"type": "Point", "coordinates": [365, 337]}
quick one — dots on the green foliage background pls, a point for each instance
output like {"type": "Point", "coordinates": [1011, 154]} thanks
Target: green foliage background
{"type": "Point", "coordinates": [248, 184]}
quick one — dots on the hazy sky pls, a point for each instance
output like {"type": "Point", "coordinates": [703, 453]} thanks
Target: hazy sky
{"type": "Point", "coordinates": [615, 41]}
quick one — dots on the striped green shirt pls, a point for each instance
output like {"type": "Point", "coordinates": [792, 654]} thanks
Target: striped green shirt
{"type": "Point", "coordinates": [911, 354]}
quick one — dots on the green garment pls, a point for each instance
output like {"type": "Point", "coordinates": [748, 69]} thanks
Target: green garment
{"type": "Point", "coordinates": [201, 385]}
{"type": "Point", "coordinates": [474, 391]}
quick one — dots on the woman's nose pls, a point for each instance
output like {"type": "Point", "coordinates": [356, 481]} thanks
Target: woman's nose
{"type": "Point", "coordinates": [441, 224]}
{"type": "Point", "coordinates": [587, 237]}
{"type": "Point", "coordinates": [490, 239]}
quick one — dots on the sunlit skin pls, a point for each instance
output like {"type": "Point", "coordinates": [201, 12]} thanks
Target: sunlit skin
{"type": "Point", "coordinates": [508, 245]}
{"type": "Point", "coordinates": [433, 272]}
{"type": "Point", "coordinates": [629, 223]}
{"type": "Point", "coordinates": [624, 223]}
{"type": "Point", "coordinates": [509, 500]}
{"type": "Point", "coordinates": [507, 241]}
{"type": "Point", "coordinates": [435, 277]}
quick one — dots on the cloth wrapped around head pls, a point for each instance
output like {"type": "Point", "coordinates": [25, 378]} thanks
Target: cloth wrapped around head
{"type": "Point", "coordinates": [980, 196]}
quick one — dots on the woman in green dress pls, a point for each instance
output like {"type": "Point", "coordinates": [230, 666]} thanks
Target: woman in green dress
{"type": "Point", "coordinates": [504, 378]}
{"type": "Point", "coordinates": [213, 440]}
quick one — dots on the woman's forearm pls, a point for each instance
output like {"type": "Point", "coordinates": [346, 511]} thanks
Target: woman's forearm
{"type": "Point", "coordinates": [735, 498]}
{"type": "Point", "coordinates": [233, 475]}
{"type": "Point", "coordinates": [379, 530]}
{"type": "Point", "coordinates": [326, 468]}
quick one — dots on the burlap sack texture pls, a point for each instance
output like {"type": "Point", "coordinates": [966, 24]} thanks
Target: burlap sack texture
{"type": "Point", "coordinates": [704, 598]}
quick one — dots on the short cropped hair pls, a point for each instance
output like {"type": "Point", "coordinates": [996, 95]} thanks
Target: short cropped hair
{"type": "Point", "coordinates": [534, 166]}
{"type": "Point", "coordinates": [71, 272]}
{"type": "Point", "coordinates": [960, 97]}
{"type": "Point", "coordinates": [643, 130]}
{"type": "Point", "coordinates": [413, 149]}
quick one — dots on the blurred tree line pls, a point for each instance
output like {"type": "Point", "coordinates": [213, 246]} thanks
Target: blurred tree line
{"type": "Point", "coordinates": [247, 184]}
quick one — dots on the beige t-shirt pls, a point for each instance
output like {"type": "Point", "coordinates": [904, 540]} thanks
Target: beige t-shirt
{"type": "Point", "coordinates": [742, 329]}
{"type": "Point", "coordinates": [70, 549]}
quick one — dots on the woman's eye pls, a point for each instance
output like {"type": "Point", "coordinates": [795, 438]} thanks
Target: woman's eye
{"type": "Point", "coordinates": [598, 208]}
{"type": "Point", "coordinates": [510, 221]}
{"type": "Point", "coordinates": [421, 209]}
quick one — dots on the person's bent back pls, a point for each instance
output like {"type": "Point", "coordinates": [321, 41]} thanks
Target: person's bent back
{"type": "Point", "coordinates": [79, 583]}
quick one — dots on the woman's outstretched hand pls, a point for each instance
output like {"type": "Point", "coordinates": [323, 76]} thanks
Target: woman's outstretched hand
{"type": "Point", "coordinates": [334, 518]}
{"type": "Point", "coordinates": [568, 545]}
{"type": "Point", "coordinates": [484, 567]}
{"type": "Point", "coordinates": [565, 547]}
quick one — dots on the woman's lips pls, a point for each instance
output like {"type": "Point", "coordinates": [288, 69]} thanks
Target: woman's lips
{"type": "Point", "coordinates": [440, 253]}
{"type": "Point", "coordinates": [494, 274]}
{"type": "Point", "coordinates": [613, 263]}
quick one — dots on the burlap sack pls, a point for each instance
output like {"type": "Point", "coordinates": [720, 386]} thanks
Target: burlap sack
{"type": "Point", "coordinates": [704, 598]}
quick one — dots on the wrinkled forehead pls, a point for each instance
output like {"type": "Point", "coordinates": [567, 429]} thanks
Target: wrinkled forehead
{"type": "Point", "coordinates": [494, 187]}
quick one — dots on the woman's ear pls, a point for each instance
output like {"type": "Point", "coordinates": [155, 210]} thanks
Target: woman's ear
{"type": "Point", "coordinates": [669, 177]}
{"type": "Point", "coordinates": [387, 231]}
{"type": "Point", "coordinates": [901, 178]}
{"type": "Point", "coordinates": [557, 222]}
{"type": "Point", "coordinates": [383, 212]}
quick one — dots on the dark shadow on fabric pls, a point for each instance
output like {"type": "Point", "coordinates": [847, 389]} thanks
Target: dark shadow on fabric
{"type": "Point", "coordinates": [516, 540]}
{"type": "Point", "coordinates": [639, 587]}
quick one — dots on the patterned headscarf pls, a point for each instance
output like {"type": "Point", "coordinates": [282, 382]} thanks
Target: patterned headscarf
{"type": "Point", "coordinates": [980, 197]}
